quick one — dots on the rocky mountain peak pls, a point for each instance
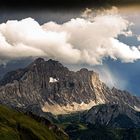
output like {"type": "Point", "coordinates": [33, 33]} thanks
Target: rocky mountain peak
{"type": "Point", "coordinates": [52, 61]}
{"type": "Point", "coordinates": [84, 70]}
{"type": "Point", "coordinates": [39, 68]}
{"type": "Point", "coordinates": [49, 65]}
{"type": "Point", "coordinates": [58, 90]}
{"type": "Point", "coordinates": [55, 64]}
{"type": "Point", "coordinates": [39, 60]}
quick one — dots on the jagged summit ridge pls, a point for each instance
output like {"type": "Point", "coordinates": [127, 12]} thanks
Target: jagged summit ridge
{"type": "Point", "coordinates": [58, 90]}
{"type": "Point", "coordinates": [39, 65]}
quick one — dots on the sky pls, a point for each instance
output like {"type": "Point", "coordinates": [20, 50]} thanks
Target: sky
{"type": "Point", "coordinates": [104, 40]}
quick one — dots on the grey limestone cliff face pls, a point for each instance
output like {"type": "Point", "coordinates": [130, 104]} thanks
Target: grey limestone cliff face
{"type": "Point", "coordinates": [50, 82]}
{"type": "Point", "coordinates": [32, 85]}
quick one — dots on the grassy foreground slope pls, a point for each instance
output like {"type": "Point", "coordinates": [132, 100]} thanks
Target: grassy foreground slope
{"type": "Point", "coordinates": [17, 126]}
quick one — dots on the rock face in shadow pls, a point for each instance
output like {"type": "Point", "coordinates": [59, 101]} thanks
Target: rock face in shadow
{"type": "Point", "coordinates": [113, 115]}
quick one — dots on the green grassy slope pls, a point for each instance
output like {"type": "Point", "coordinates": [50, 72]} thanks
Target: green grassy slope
{"type": "Point", "coordinates": [17, 126]}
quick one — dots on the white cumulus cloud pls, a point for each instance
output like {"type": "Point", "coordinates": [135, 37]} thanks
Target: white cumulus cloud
{"type": "Point", "coordinates": [81, 40]}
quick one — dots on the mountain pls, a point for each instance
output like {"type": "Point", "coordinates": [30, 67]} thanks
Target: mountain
{"type": "Point", "coordinates": [58, 90]}
{"type": "Point", "coordinates": [113, 115]}
{"type": "Point", "coordinates": [18, 126]}
{"type": "Point", "coordinates": [48, 86]}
